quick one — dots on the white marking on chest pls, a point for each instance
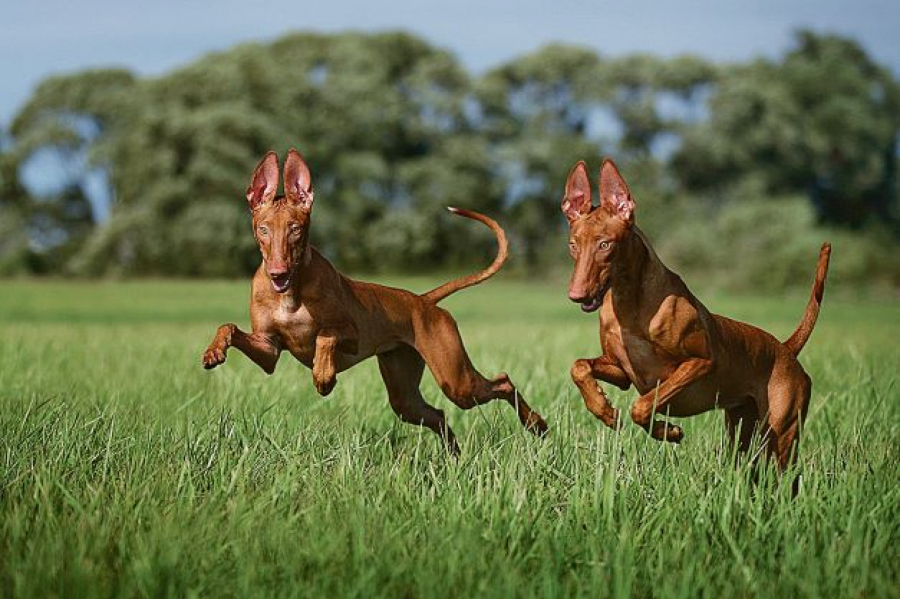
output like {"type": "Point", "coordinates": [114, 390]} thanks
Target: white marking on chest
{"type": "Point", "coordinates": [297, 327]}
{"type": "Point", "coordinates": [291, 315]}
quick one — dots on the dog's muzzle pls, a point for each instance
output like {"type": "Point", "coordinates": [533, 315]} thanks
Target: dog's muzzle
{"type": "Point", "coordinates": [593, 304]}
{"type": "Point", "coordinates": [281, 282]}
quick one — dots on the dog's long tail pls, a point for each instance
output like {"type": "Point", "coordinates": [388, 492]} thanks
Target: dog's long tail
{"type": "Point", "coordinates": [450, 287]}
{"type": "Point", "coordinates": [796, 341]}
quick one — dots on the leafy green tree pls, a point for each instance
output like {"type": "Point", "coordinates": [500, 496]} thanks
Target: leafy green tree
{"type": "Point", "coordinates": [546, 110]}
{"type": "Point", "coordinates": [395, 130]}
{"type": "Point", "coordinates": [61, 123]}
{"type": "Point", "coordinates": [14, 203]}
{"type": "Point", "coordinates": [825, 120]}
{"type": "Point", "coordinates": [535, 111]}
{"type": "Point", "coordinates": [651, 97]}
{"type": "Point", "coordinates": [380, 118]}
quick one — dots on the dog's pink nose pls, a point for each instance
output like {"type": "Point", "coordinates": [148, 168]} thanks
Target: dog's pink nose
{"type": "Point", "coordinates": [277, 270]}
{"type": "Point", "coordinates": [577, 295]}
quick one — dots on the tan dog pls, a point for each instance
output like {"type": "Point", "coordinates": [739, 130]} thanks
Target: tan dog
{"type": "Point", "coordinates": [329, 322]}
{"type": "Point", "coordinates": [658, 337]}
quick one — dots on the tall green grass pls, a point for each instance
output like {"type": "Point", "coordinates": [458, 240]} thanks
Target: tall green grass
{"type": "Point", "coordinates": [128, 471]}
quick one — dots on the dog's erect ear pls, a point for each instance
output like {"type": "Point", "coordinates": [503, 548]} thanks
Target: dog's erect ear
{"type": "Point", "coordinates": [297, 180]}
{"type": "Point", "coordinates": [614, 195]}
{"type": "Point", "coordinates": [577, 201]}
{"type": "Point", "coordinates": [265, 181]}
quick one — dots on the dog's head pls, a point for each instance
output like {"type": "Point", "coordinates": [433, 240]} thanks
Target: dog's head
{"type": "Point", "coordinates": [281, 223]}
{"type": "Point", "coordinates": [595, 233]}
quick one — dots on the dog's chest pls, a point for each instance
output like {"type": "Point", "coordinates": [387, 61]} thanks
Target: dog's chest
{"type": "Point", "coordinates": [297, 329]}
{"type": "Point", "coordinates": [639, 357]}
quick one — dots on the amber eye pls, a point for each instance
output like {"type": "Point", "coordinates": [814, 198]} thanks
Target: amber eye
{"type": "Point", "coordinates": [605, 245]}
{"type": "Point", "coordinates": [295, 229]}
{"type": "Point", "coordinates": [572, 247]}
{"type": "Point", "coordinates": [263, 230]}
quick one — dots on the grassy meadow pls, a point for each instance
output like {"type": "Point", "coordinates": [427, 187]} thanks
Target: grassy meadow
{"type": "Point", "coordinates": [126, 470]}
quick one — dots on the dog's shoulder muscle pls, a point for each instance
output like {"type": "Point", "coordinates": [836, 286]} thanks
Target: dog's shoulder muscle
{"type": "Point", "coordinates": [678, 327]}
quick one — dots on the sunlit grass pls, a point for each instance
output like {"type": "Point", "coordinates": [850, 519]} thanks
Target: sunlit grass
{"type": "Point", "coordinates": [127, 470]}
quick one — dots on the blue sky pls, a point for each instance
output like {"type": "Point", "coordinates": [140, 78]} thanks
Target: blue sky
{"type": "Point", "coordinates": [43, 37]}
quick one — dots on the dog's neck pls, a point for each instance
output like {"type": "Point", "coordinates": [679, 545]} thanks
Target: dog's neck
{"type": "Point", "coordinates": [637, 270]}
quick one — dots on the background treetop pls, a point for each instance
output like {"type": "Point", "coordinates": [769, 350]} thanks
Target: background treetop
{"type": "Point", "coordinates": [147, 173]}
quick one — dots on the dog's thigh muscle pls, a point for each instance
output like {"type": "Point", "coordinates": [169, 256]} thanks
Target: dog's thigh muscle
{"type": "Point", "coordinates": [401, 370]}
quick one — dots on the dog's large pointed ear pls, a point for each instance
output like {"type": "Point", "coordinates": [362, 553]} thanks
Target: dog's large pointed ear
{"type": "Point", "coordinates": [264, 183]}
{"type": "Point", "coordinates": [614, 195]}
{"type": "Point", "coordinates": [577, 199]}
{"type": "Point", "coordinates": [298, 181]}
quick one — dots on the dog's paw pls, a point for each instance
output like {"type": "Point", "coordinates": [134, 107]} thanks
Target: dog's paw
{"type": "Point", "coordinates": [212, 357]}
{"type": "Point", "coordinates": [324, 375]}
{"type": "Point", "coordinates": [663, 431]}
{"type": "Point", "coordinates": [536, 425]}
{"type": "Point", "coordinates": [674, 434]}
{"type": "Point", "coordinates": [612, 420]}
{"type": "Point", "coordinates": [325, 385]}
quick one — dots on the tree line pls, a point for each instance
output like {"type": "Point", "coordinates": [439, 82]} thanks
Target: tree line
{"type": "Point", "coordinates": [395, 129]}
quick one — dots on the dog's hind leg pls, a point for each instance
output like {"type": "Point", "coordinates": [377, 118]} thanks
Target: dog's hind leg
{"type": "Point", "coordinates": [742, 421]}
{"type": "Point", "coordinates": [401, 370]}
{"type": "Point", "coordinates": [439, 343]}
{"type": "Point", "coordinates": [788, 391]}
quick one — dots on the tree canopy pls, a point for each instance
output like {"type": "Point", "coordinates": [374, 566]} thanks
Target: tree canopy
{"type": "Point", "coordinates": [824, 120]}
{"type": "Point", "coordinates": [395, 129]}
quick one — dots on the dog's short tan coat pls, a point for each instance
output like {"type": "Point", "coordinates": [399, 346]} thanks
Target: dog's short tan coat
{"type": "Point", "coordinates": [330, 322]}
{"type": "Point", "coordinates": [657, 336]}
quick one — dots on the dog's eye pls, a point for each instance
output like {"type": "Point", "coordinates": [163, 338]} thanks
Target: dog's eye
{"type": "Point", "coordinates": [605, 245]}
{"type": "Point", "coordinates": [295, 229]}
{"type": "Point", "coordinates": [572, 247]}
{"type": "Point", "coordinates": [264, 231]}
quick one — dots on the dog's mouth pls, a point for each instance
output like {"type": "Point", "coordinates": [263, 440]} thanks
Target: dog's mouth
{"type": "Point", "coordinates": [593, 304]}
{"type": "Point", "coordinates": [281, 282]}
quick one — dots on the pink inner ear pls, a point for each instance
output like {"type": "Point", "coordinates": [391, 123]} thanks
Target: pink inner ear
{"type": "Point", "coordinates": [577, 198]}
{"type": "Point", "coordinates": [575, 204]}
{"type": "Point", "coordinates": [297, 180]}
{"type": "Point", "coordinates": [264, 181]}
{"type": "Point", "coordinates": [624, 206]}
{"type": "Point", "coordinates": [614, 194]}
{"type": "Point", "coordinates": [258, 193]}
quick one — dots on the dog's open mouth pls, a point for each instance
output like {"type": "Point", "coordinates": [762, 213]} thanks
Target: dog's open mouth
{"type": "Point", "coordinates": [281, 282]}
{"type": "Point", "coordinates": [594, 303]}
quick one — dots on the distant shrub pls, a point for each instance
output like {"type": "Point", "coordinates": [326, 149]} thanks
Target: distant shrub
{"type": "Point", "coordinates": [769, 245]}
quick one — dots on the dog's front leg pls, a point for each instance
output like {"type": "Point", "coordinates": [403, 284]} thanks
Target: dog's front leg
{"type": "Point", "coordinates": [328, 341]}
{"type": "Point", "coordinates": [258, 346]}
{"type": "Point", "coordinates": [584, 373]}
{"type": "Point", "coordinates": [656, 401]}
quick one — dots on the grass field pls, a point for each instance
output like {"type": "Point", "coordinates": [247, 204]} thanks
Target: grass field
{"type": "Point", "coordinates": [126, 470]}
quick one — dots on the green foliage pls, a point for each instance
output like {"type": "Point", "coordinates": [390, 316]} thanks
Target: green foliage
{"type": "Point", "coordinates": [395, 130]}
{"type": "Point", "coordinates": [535, 112]}
{"type": "Point", "coordinates": [380, 117]}
{"type": "Point", "coordinates": [825, 120]}
{"type": "Point", "coordinates": [128, 471]}
{"type": "Point", "coordinates": [770, 245]}
{"type": "Point", "coordinates": [68, 119]}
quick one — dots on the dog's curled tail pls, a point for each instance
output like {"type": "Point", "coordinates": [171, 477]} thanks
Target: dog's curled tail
{"type": "Point", "coordinates": [450, 287]}
{"type": "Point", "coordinates": [796, 341]}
